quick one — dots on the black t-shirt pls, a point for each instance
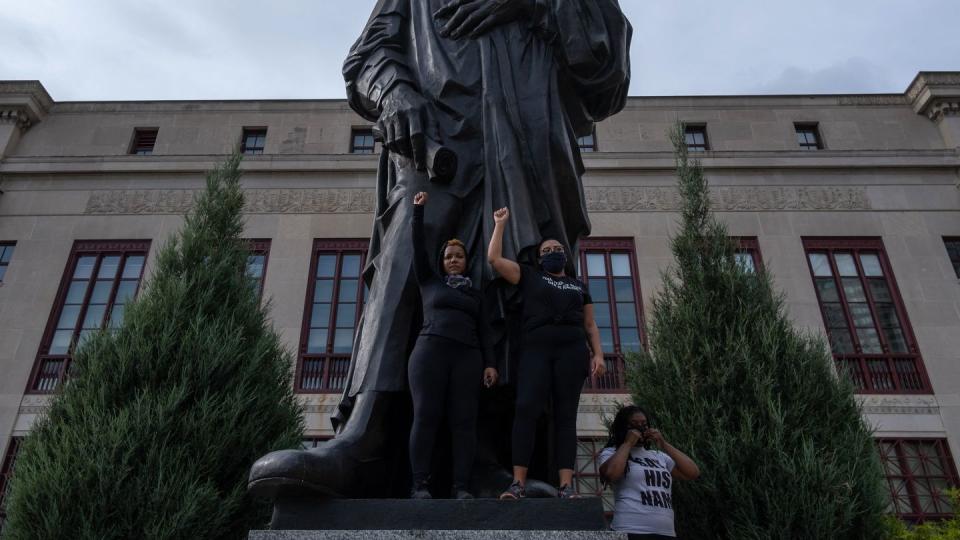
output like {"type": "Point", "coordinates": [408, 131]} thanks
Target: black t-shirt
{"type": "Point", "coordinates": [551, 300]}
{"type": "Point", "coordinates": [457, 314]}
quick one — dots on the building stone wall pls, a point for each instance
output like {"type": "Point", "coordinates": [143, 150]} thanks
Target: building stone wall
{"type": "Point", "coordinates": [889, 169]}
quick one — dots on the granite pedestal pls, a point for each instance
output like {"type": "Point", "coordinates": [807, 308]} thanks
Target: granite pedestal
{"type": "Point", "coordinates": [318, 514]}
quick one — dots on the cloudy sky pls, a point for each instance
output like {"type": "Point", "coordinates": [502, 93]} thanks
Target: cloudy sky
{"type": "Point", "coordinates": [237, 49]}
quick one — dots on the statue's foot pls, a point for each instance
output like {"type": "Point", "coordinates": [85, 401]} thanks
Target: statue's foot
{"type": "Point", "coordinates": [348, 466]}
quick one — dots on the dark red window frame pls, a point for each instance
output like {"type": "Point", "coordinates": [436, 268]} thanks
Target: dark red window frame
{"type": "Point", "coordinates": [918, 471]}
{"type": "Point", "coordinates": [326, 372]}
{"type": "Point", "coordinates": [952, 245]}
{"type": "Point", "coordinates": [259, 248]}
{"type": "Point", "coordinates": [748, 245]}
{"type": "Point", "coordinates": [144, 139]}
{"type": "Point", "coordinates": [6, 473]}
{"type": "Point", "coordinates": [887, 372]}
{"type": "Point", "coordinates": [50, 368]}
{"type": "Point", "coordinates": [614, 381]}
{"type": "Point", "coordinates": [6, 253]}
{"type": "Point", "coordinates": [253, 141]}
{"type": "Point", "coordinates": [587, 477]}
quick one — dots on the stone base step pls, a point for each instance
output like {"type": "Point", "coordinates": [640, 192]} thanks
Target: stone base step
{"type": "Point", "coordinates": [437, 535]}
{"type": "Point", "coordinates": [531, 514]}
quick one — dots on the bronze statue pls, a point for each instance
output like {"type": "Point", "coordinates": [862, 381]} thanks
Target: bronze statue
{"type": "Point", "coordinates": [505, 86]}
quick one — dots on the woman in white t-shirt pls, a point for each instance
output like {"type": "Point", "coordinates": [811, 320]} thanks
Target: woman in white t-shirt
{"type": "Point", "coordinates": [641, 465]}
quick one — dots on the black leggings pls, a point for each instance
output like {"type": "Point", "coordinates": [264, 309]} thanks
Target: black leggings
{"type": "Point", "coordinates": [551, 364]}
{"type": "Point", "coordinates": [445, 375]}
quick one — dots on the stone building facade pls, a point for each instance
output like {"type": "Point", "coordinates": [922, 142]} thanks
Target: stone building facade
{"type": "Point", "coordinates": [850, 201]}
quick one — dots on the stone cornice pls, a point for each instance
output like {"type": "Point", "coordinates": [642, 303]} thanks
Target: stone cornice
{"type": "Point", "coordinates": [595, 163]}
{"type": "Point", "coordinates": [935, 94]}
{"type": "Point", "coordinates": [23, 102]}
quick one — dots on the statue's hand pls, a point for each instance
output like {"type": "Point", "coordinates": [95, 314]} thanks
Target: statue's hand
{"type": "Point", "coordinates": [405, 123]}
{"type": "Point", "coordinates": [473, 18]}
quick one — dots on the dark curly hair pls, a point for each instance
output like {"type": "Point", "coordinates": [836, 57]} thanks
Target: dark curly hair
{"type": "Point", "coordinates": [621, 424]}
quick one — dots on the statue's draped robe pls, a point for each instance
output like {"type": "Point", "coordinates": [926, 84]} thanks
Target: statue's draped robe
{"type": "Point", "coordinates": [511, 104]}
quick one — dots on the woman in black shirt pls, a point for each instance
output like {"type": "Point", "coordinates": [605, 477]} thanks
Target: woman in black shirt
{"type": "Point", "coordinates": [557, 324]}
{"type": "Point", "coordinates": [446, 363]}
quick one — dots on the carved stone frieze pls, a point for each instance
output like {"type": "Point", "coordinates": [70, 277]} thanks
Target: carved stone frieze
{"type": "Point", "coordinates": [599, 199]}
{"type": "Point", "coordinates": [879, 99]}
{"type": "Point", "coordinates": [898, 404]}
{"type": "Point", "coordinates": [634, 199]}
{"type": "Point", "coordinates": [259, 201]}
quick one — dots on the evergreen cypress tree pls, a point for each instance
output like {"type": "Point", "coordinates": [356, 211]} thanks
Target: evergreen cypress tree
{"type": "Point", "coordinates": [779, 438]}
{"type": "Point", "coordinates": [153, 434]}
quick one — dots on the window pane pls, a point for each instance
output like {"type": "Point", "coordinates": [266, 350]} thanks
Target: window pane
{"type": "Point", "coordinates": [629, 339]}
{"type": "Point", "coordinates": [853, 290]}
{"type": "Point", "coordinates": [606, 339]}
{"type": "Point", "coordinates": [627, 314]}
{"type": "Point", "coordinates": [84, 268]}
{"type": "Point", "coordinates": [68, 317]}
{"type": "Point", "coordinates": [346, 315]}
{"type": "Point", "coordinates": [351, 266]}
{"type": "Point", "coordinates": [840, 341]}
{"type": "Point", "coordinates": [598, 290]}
{"type": "Point", "coordinates": [326, 266]}
{"type": "Point", "coordinates": [834, 317]}
{"type": "Point", "coordinates": [323, 291]}
{"type": "Point", "coordinates": [596, 265]}
{"type": "Point", "coordinates": [828, 290]}
{"type": "Point", "coordinates": [317, 342]}
{"type": "Point", "coordinates": [895, 340]}
{"type": "Point", "coordinates": [860, 313]}
{"type": "Point", "coordinates": [6, 252]}
{"type": "Point", "coordinates": [76, 292]}
{"type": "Point", "coordinates": [343, 341]}
{"type": "Point", "coordinates": [623, 288]}
{"type": "Point", "coordinates": [845, 264]}
{"type": "Point", "coordinates": [108, 267]}
{"type": "Point", "coordinates": [3, 272]}
{"type": "Point", "coordinates": [94, 316]}
{"type": "Point", "coordinates": [745, 260]}
{"type": "Point", "coordinates": [820, 264]}
{"type": "Point", "coordinates": [116, 316]}
{"type": "Point", "coordinates": [621, 264]}
{"type": "Point", "coordinates": [125, 292]}
{"type": "Point", "coordinates": [869, 341]}
{"type": "Point", "coordinates": [255, 266]}
{"type": "Point", "coordinates": [61, 342]}
{"type": "Point", "coordinates": [601, 314]}
{"type": "Point", "coordinates": [887, 315]}
{"type": "Point", "coordinates": [101, 292]}
{"type": "Point", "coordinates": [879, 290]}
{"type": "Point", "coordinates": [320, 317]}
{"type": "Point", "coordinates": [133, 268]}
{"type": "Point", "coordinates": [871, 265]}
{"type": "Point", "coordinates": [348, 290]}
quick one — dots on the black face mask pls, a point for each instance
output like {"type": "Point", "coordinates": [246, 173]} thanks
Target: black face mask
{"type": "Point", "coordinates": [554, 261]}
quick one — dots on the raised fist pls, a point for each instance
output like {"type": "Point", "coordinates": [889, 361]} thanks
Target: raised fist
{"type": "Point", "coordinates": [501, 215]}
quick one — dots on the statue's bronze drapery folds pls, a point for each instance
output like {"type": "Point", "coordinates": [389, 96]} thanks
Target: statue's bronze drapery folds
{"type": "Point", "coordinates": [506, 85]}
